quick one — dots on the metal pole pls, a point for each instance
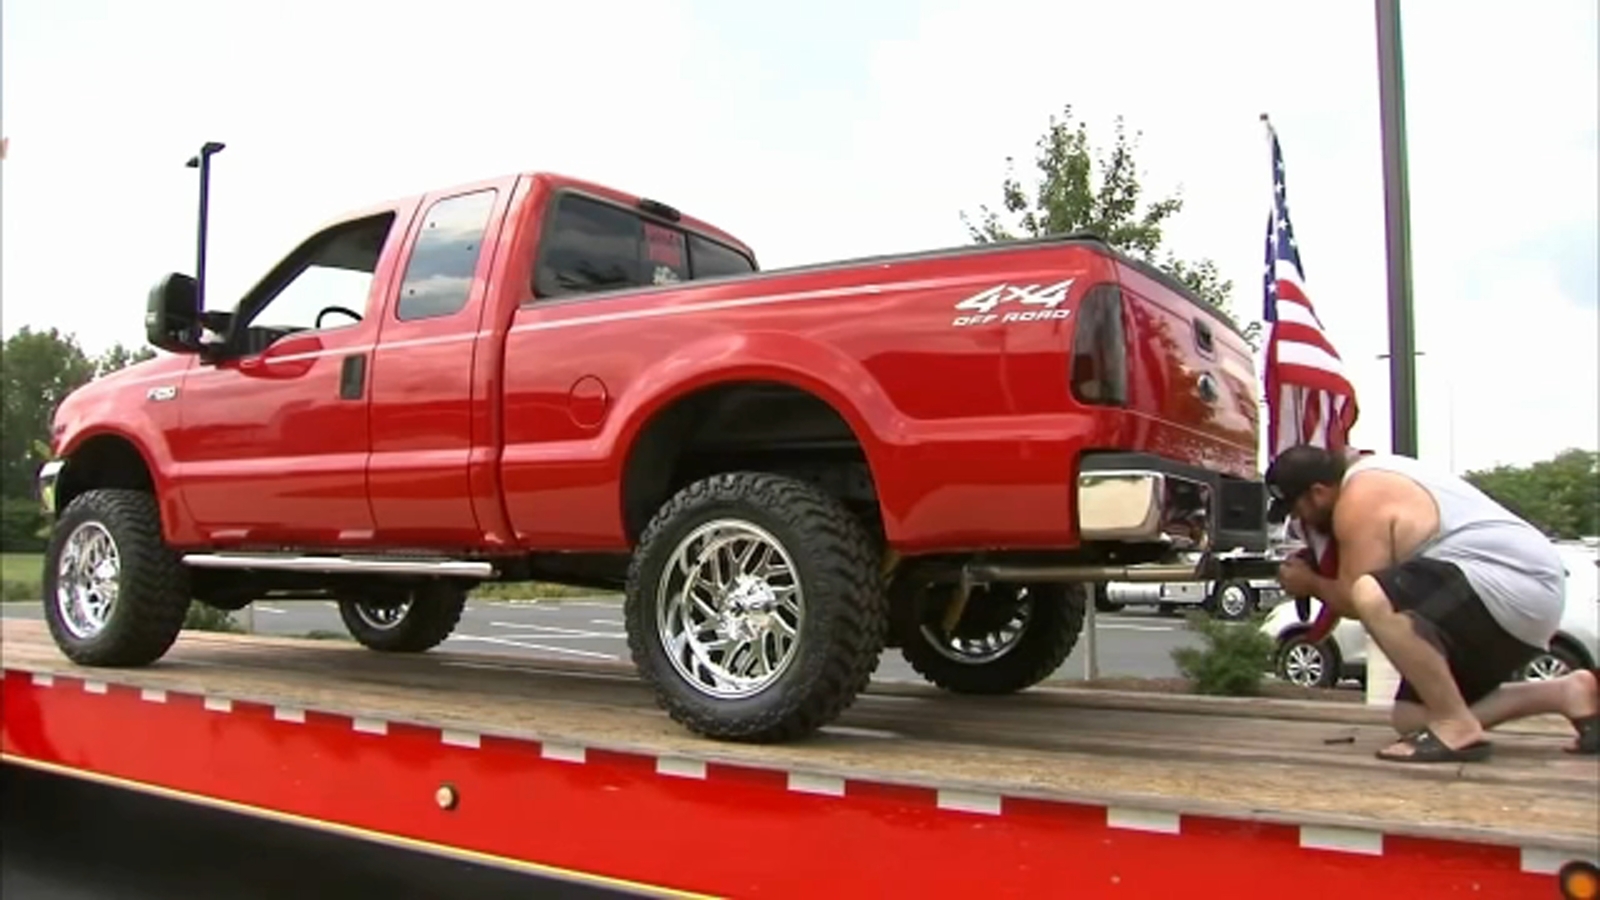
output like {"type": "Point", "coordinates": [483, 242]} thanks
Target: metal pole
{"type": "Point", "coordinates": [1091, 655]}
{"type": "Point", "coordinates": [202, 161]}
{"type": "Point", "coordinates": [1397, 214]}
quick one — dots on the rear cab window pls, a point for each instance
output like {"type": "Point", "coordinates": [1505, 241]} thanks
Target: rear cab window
{"type": "Point", "coordinates": [591, 246]}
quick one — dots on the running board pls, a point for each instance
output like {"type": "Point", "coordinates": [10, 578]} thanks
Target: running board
{"type": "Point", "coordinates": [341, 565]}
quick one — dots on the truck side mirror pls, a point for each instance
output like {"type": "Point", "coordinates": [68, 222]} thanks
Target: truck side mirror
{"type": "Point", "coordinates": [172, 316]}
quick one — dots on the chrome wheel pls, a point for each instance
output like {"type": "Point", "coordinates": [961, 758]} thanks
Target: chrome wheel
{"type": "Point", "coordinates": [87, 578]}
{"type": "Point", "coordinates": [988, 645]}
{"type": "Point", "coordinates": [1234, 601]}
{"type": "Point", "coordinates": [729, 609]}
{"type": "Point", "coordinates": [1304, 665]}
{"type": "Point", "coordinates": [382, 618]}
{"type": "Point", "coordinates": [1544, 667]}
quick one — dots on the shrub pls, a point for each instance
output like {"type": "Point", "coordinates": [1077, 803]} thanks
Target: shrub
{"type": "Point", "coordinates": [201, 617]}
{"type": "Point", "coordinates": [1234, 661]}
{"type": "Point", "coordinates": [20, 525]}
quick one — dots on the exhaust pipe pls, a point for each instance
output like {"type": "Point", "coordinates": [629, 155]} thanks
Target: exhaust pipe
{"type": "Point", "coordinates": [1141, 572]}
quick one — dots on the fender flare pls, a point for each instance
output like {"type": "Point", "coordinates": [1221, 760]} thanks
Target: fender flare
{"type": "Point", "coordinates": [779, 357]}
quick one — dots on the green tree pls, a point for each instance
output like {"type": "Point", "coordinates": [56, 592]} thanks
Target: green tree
{"type": "Point", "coordinates": [1559, 495]}
{"type": "Point", "coordinates": [118, 357]}
{"type": "Point", "coordinates": [1080, 190]}
{"type": "Point", "coordinates": [38, 369]}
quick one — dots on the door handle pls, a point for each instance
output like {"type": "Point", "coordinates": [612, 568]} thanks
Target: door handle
{"type": "Point", "coordinates": [353, 376]}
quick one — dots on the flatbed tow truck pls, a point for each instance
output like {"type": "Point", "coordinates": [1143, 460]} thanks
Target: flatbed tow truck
{"type": "Point", "coordinates": [567, 770]}
{"type": "Point", "coordinates": [786, 473]}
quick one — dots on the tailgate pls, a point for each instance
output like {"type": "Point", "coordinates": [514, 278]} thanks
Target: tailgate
{"type": "Point", "coordinates": [1190, 370]}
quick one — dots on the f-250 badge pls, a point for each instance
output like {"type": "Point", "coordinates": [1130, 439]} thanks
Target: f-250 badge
{"type": "Point", "coordinates": [1040, 304]}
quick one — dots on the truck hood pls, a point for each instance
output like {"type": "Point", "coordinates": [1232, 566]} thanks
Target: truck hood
{"type": "Point", "coordinates": [123, 389]}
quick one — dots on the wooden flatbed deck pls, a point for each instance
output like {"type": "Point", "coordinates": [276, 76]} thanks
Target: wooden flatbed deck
{"type": "Point", "coordinates": [1266, 760]}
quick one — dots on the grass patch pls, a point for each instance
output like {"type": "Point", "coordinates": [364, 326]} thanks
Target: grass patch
{"type": "Point", "coordinates": [322, 634]}
{"type": "Point", "coordinates": [19, 576]}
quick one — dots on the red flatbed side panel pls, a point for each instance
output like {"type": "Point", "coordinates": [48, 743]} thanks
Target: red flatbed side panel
{"type": "Point", "coordinates": [707, 828]}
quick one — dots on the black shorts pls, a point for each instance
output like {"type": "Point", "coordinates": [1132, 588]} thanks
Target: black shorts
{"type": "Point", "coordinates": [1450, 615]}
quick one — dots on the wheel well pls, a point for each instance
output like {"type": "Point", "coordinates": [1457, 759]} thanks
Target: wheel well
{"type": "Point", "coordinates": [748, 425]}
{"type": "Point", "coordinates": [106, 461]}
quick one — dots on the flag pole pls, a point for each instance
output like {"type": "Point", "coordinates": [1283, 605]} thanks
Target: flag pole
{"type": "Point", "coordinates": [1396, 207]}
{"type": "Point", "coordinates": [1267, 327]}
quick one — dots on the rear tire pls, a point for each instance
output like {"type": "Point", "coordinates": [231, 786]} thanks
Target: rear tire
{"type": "Point", "coordinates": [980, 659]}
{"type": "Point", "coordinates": [411, 622]}
{"type": "Point", "coordinates": [123, 595]}
{"type": "Point", "coordinates": [755, 609]}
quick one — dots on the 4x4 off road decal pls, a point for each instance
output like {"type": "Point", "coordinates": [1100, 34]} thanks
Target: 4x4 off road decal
{"type": "Point", "coordinates": [1041, 304]}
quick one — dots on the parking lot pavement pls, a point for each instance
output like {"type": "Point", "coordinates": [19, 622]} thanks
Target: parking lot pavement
{"type": "Point", "coordinates": [1133, 643]}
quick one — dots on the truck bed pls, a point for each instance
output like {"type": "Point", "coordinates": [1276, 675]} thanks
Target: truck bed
{"type": "Point", "coordinates": [1261, 760]}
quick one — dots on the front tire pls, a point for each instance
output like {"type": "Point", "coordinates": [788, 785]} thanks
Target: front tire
{"type": "Point", "coordinates": [754, 607]}
{"type": "Point", "coordinates": [409, 622]}
{"type": "Point", "coordinates": [1308, 665]}
{"type": "Point", "coordinates": [1010, 637]}
{"type": "Point", "coordinates": [114, 593]}
{"type": "Point", "coordinates": [1558, 661]}
{"type": "Point", "coordinates": [1232, 601]}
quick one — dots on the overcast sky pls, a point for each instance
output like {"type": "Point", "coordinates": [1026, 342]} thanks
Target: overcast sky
{"type": "Point", "coordinates": [835, 129]}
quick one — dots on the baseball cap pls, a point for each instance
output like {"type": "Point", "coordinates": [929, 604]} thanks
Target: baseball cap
{"type": "Point", "coordinates": [1294, 472]}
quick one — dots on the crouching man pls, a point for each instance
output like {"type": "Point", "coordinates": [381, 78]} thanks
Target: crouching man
{"type": "Point", "coordinates": [1457, 591]}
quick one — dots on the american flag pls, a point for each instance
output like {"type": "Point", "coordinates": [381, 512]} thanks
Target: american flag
{"type": "Point", "coordinates": [1309, 398]}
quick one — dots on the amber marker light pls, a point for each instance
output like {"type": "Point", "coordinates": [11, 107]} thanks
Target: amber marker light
{"type": "Point", "coordinates": [1579, 881]}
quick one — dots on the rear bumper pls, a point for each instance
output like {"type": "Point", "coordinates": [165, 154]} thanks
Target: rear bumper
{"type": "Point", "coordinates": [1144, 499]}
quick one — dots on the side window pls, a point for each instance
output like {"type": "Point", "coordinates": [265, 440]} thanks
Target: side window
{"type": "Point", "coordinates": [328, 278]}
{"type": "Point", "coordinates": [711, 259]}
{"type": "Point", "coordinates": [439, 274]}
{"type": "Point", "coordinates": [590, 247]}
{"type": "Point", "coordinates": [314, 295]}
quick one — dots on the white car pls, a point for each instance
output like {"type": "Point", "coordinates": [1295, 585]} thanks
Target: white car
{"type": "Point", "coordinates": [1343, 654]}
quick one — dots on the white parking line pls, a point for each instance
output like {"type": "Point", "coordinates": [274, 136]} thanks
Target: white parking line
{"type": "Point", "coordinates": [525, 645]}
{"type": "Point", "coordinates": [557, 631]}
{"type": "Point", "coordinates": [612, 622]}
{"type": "Point", "coordinates": [521, 670]}
{"type": "Point", "coordinates": [269, 609]}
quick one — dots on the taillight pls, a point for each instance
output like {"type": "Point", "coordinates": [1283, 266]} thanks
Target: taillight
{"type": "Point", "coordinates": [1099, 349]}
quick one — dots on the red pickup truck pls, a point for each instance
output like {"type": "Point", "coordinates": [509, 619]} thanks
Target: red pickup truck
{"type": "Point", "coordinates": [535, 378]}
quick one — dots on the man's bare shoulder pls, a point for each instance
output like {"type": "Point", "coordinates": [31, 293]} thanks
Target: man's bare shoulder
{"type": "Point", "coordinates": [1366, 504]}
{"type": "Point", "coordinates": [1372, 500]}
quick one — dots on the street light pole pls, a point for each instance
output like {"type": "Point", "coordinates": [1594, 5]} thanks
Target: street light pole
{"type": "Point", "coordinates": [1396, 207]}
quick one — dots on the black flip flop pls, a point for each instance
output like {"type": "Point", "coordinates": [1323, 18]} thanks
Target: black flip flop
{"type": "Point", "coordinates": [1588, 727]}
{"type": "Point", "coordinates": [1427, 748]}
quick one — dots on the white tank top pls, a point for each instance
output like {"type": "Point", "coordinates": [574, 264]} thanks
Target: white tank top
{"type": "Point", "coordinates": [1513, 567]}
